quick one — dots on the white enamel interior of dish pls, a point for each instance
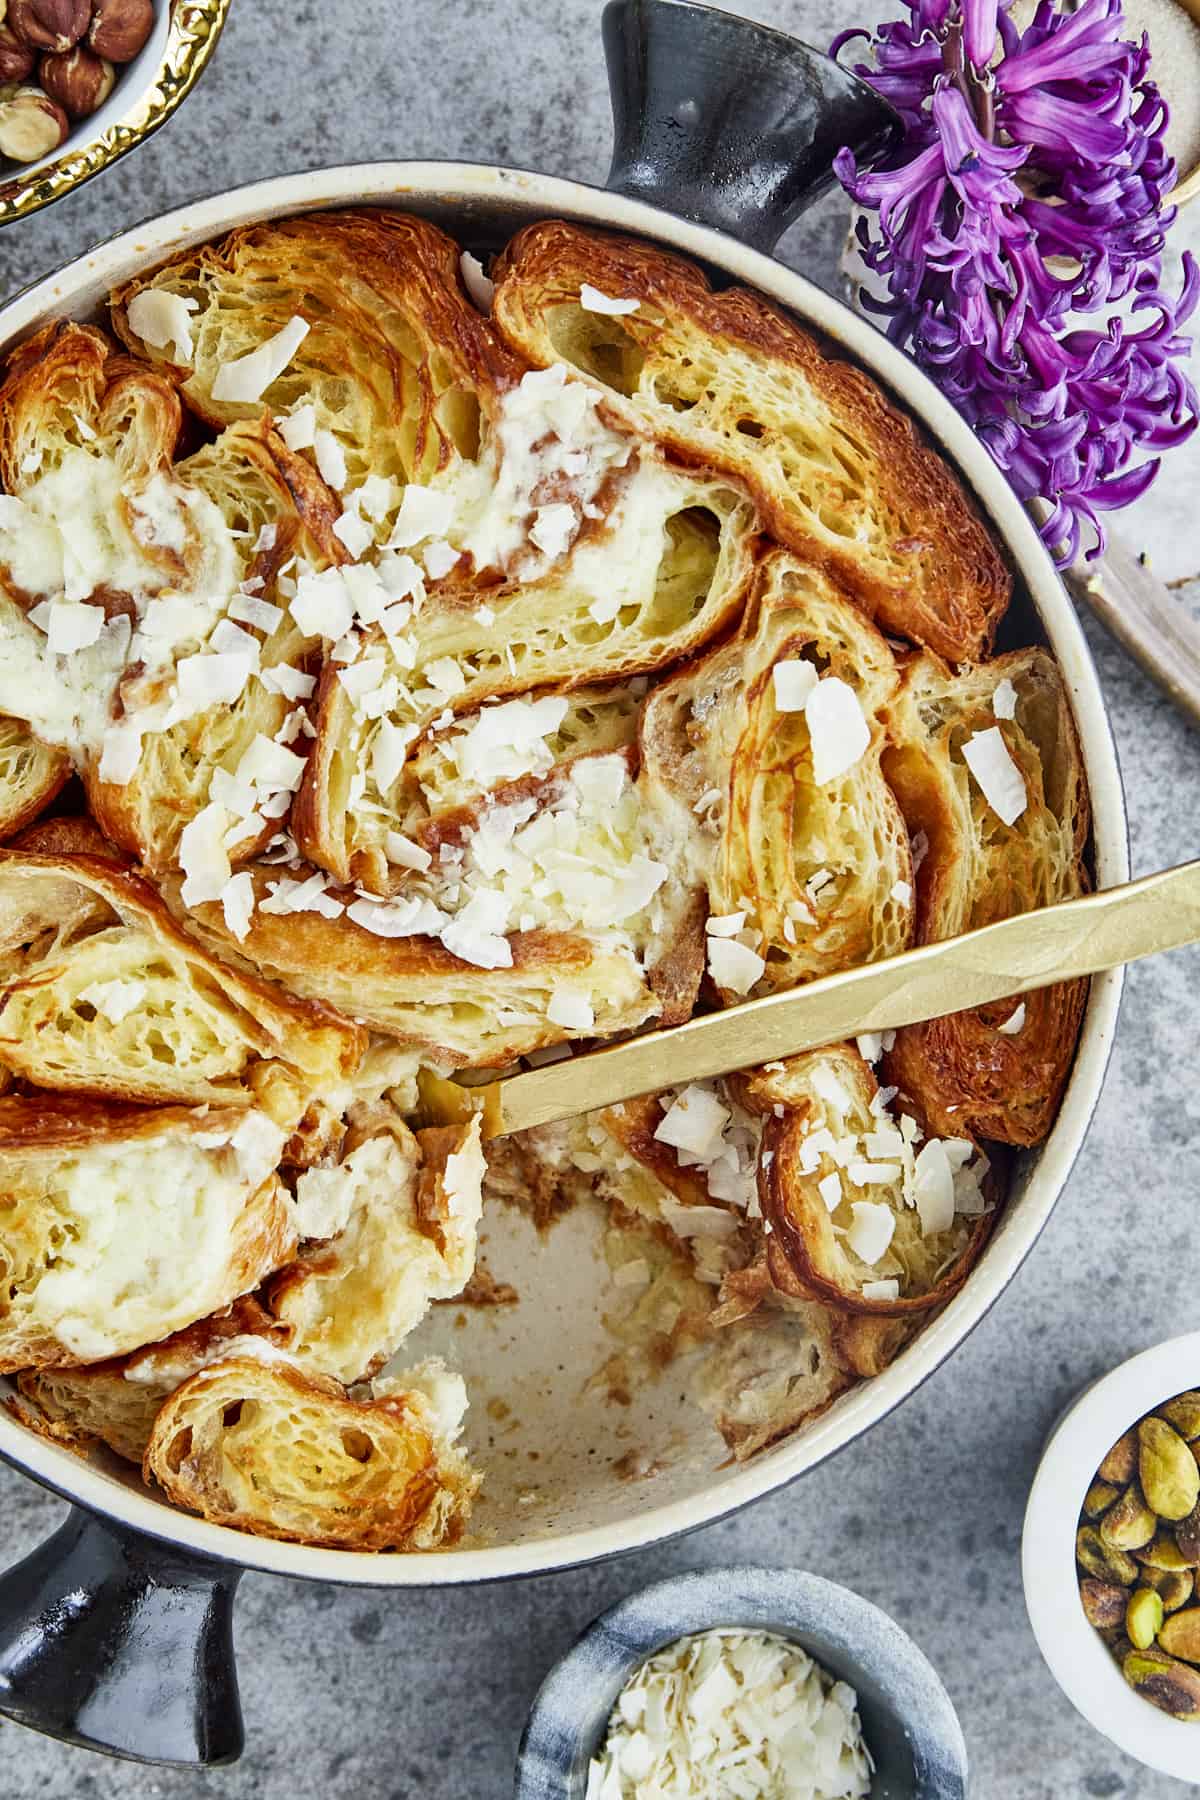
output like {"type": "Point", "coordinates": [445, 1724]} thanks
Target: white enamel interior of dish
{"type": "Point", "coordinates": [559, 1444]}
{"type": "Point", "coordinates": [133, 79]}
{"type": "Point", "coordinates": [1074, 1652]}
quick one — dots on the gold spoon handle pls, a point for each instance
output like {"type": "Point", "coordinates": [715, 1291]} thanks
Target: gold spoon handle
{"type": "Point", "coordinates": [1054, 943]}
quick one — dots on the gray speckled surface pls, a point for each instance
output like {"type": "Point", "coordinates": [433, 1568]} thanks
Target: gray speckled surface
{"type": "Point", "coordinates": [425, 1695]}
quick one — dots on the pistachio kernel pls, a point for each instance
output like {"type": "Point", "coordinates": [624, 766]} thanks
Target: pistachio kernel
{"type": "Point", "coordinates": [1099, 1498]}
{"type": "Point", "coordinates": [1104, 1603]}
{"type": "Point", "coordinates": [1180, 1635]}
{"type": "Point", "coordinates": [1169, 1473]}
{"type": "Point", "coordinates": [1129, 1522]}
{"type": "Point", "coordinates": [1143, 1617]}
{"type": "Point", "coordinates": [1183, 1412]}
{"type": "Point", "coordinates": [1171, 1686]}
{"type": "Point", "coordinates": [1120, 1465]}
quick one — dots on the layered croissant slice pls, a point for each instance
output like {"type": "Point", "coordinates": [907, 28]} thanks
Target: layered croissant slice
{"type": "Point", "coordinates": [101, 992]}
{"type": "Point", "coordinates": [169, 661]}
{"type": "Point", "coordinates": [997, 1073]}
{"type": "Point", "coordinates": [396, 366]}
{"type": "Point", "coordinates": [31, 776]}
{"type": "Point", "coordinates": [729, 380]}
{"type": "Point", "coordinates": [95, 1202]}
{"type": "Point", "coordinates": [770, 748]}
{"type": "Point", "coordinates": [654, 580]}
{"type": "Point", "coordinates": [256, 1443]}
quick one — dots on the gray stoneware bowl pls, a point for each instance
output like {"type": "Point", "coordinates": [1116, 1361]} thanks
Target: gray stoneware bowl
{"type": "Point", "coordinates": [909, 1723]}
{"type": "Point", "coordinates": [117, 1632]}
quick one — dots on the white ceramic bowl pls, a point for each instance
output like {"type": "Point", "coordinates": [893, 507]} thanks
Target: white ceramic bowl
{"type": "Point", "coordinates": [146, 92]}
{"type": "Point", "coordinates": [1074, 1652]}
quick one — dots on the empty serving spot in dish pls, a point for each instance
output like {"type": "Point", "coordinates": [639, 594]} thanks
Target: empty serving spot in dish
{"type": "Point", "coordinates": [460, 669]}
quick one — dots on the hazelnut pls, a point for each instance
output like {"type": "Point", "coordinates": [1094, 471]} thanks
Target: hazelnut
{"type": "Point", "coordinates": [79, 80]}
{"type": "Point", "coordinates": [16, 58]}
{"type": "Point", "coordinates": [119, 28]}
{"type": "Point", "coordinates": [49, 24]}
{"type": "Point", "coordinates": [31, 125]}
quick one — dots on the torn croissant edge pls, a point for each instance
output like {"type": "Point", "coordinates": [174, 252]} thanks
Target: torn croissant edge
{"type": "Point", "coordinates": [239, 1416]}
{"type": "Point", "coordinates": [729, 380]}
{"type": "Point", "coordinates": [69, 921]}
{"type": "Point", "coordinates": [67, 381]}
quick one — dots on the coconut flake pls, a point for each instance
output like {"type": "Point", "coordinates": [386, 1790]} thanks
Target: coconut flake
{"type": "Point", "coordinates": [933, 1188]}
{"type": "Point", "coordinates": [247, 378]}
{"type": "Point", "coordinates": [401, 851]}
{"type": "Point", "coordinates": [114, 1000]}
{"type": "Point", "coordinates": [163, 320]}
{"type": "Point", "coordinates": [1004, 700]}
{"type": "Point", "coordinates": [553, 528]}
{"type": "Point", "coordinates": [237, 902]}
{"type": "Point", "coordinates": [830, 1189]}
{"type": "Point", "coordinates": [694, 1122]}
{"type": "Point", "coordinates": [202, 855]}
{"type": "Point", "coordinates": [424, 513]}
{"type": "Point", "coordinates": [724, 924]}
{"type": "Point", "coordinates": [1015, 1021]}
{"type": "Point", "coordinates": [354, 532]}
{"type": "Point", "coordinates": [871, 1229]}
{"type": "Point", "coordinates": [481, 289]}
{"type": "Point", "coordinates": [881, 1290]}
{"type": "Point", "coordinates": [331, 459]}
{"type": "Point", "coordinates": [593, 299]}
{"type": "Point", "coordinates": [299, 429]}
{"type": "Point", "coordinates": [1000, 781]}
{"type": "Point", "coordinates": [838, 728]}
{"type": "Point", "coordinates": [734, 966]}
{"type": "Point", "coordinates": [794, 681]}
{"type": "Point", "coordinates": [439, 558]}
{"type": "Point", "coordinates": [69, 625]}
{"type": "Point", "coordinates": [574, 1012]}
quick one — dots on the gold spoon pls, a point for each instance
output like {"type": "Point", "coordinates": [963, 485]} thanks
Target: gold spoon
{"type": "Point", "coordinates": [1053, 943]}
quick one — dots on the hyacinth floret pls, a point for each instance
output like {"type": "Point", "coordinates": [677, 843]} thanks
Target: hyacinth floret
{"type": "Point", "coordinates": [1016, 229]}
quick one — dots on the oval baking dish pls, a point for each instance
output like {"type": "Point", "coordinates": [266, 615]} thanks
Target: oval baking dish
{"type": "Point", "coordinates": [708, 128]}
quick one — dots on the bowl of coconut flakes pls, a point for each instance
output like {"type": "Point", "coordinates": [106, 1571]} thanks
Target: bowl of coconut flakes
{"type": "Point", "coordinates": [743, 1684]}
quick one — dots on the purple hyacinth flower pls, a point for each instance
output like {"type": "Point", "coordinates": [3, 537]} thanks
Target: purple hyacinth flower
{"type": "Point", "coordinates": [1017, 229]}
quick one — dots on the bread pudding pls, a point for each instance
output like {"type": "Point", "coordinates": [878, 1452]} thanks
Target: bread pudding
{"type": "Point", "coordinates": [403, 671]}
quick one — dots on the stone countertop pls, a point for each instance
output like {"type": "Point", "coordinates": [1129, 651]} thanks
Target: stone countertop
{"type": "Point", "coordinates": [423, 1696]}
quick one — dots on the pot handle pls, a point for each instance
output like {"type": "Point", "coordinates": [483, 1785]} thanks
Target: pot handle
{"type": "Point", "coordinates": [115, 1641]}
{"type": "Point", "coordinates": [727, 122]}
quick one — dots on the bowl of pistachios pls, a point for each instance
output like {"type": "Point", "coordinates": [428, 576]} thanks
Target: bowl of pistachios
{"type": "Point", "coordinates": [1111, 1556]}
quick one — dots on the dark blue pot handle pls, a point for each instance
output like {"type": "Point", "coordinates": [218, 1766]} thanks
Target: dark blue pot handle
{"type": "Point", "coordinates": [118, 1642]}
{"type": "Point", "coordinates": [727, 122]}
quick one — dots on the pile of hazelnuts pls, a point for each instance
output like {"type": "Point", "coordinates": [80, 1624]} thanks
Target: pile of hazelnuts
{"type": "Point", "coordinates": [58, 63]}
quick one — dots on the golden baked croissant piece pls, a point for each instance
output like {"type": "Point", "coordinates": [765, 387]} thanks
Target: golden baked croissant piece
{"type": "Point", "coordinates": [116, 1402]}
{"type": "Point", "coordinates": [967, 1074]}
{"type": "Point", "coordinates": [671, 559]}
{"type": "Point", "coordinates": [414, 989]}
{"type": "Point", "coordinates": [162, 546]}
{"type": "Point", "coordinates": [31, 775]}
{"type": "Point", "coordinates": [729, 380]}
{"type": "Point", "coordinates": [96, 1202]}
{"type": "Point", "coordinates": [846, 1220]}
{"type": "Point", "coordinates": [821, 868]}
{"type": "Point", "coordinates": [256, 1444]}
{"type": "Point", "coordinates": [397, 364]}
{"type": "Point", "coordinates": [398, 1215]}
{"type": "Point", "coordinates": [102, 992]}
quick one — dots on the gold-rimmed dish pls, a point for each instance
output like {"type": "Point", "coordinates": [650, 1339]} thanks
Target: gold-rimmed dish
{"type": "Point", "coordinates": [148, 91]}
